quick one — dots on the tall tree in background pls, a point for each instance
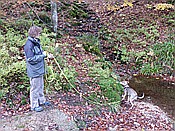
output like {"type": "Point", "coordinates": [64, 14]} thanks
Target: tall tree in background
{"type": "Point", "coordinates": [54, 15]}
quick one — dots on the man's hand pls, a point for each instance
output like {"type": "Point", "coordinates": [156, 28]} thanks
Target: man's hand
{"type": "Point", "coordinates": [50, 56]}
{"type": "Point", "coordinates": [45, 53]}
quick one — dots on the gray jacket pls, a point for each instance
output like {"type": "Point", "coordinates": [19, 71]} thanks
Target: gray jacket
{"type": "Point", "coordinates": [34, 57]}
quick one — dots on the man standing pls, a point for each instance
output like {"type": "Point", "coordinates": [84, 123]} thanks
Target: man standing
{"type": "Point", "coordinates": [35, 68]}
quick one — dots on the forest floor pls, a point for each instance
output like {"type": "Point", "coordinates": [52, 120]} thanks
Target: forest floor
{"type": "Point", "coordinates": [70, 113]}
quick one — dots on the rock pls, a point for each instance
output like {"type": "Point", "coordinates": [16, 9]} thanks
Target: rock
{"type": "Point", "coordinates": [48, 119]}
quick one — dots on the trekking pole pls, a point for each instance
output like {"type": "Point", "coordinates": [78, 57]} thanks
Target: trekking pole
{"type": "Point", "coordinates": [62, 73]}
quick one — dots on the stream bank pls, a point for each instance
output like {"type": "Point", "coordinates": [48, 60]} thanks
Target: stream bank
{"type": "Point", "coordinates": [157, 91]}
{"type": "Point", "coordinates": [67, 115]}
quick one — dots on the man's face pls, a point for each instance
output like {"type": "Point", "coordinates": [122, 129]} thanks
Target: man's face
{"type": "Point", "coordinates": [37, 36]}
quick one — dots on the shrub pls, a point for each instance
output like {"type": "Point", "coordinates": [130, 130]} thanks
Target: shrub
{"type": "Point", "coordinates": [91, 43]}
{"type": "Point", "coordinates": [107, 88]}
{"type": "Point", "coordinates": [160, 56]}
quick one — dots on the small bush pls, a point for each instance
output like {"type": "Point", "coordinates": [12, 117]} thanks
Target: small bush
{"type": "Point", "coordinates": [162, 55]}
{"type": "Point", "coordinates": [107, 89]}
{"type": "Point", "coordinates": [91, 44]}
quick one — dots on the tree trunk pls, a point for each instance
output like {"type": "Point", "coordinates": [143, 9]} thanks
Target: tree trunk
{"type": "Point", "coordinates": [54, 15]}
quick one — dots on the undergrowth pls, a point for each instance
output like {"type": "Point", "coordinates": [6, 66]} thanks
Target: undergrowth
{"type": "Point", "coordinates": [106, 87]}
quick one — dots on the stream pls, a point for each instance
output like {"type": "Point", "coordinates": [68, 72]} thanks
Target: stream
{"type": "Point", "coordinates": [158, 92]}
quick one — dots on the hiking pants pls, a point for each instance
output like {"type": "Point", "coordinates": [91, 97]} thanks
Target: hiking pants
{"type": "Point", "coordinates": [36, 91]}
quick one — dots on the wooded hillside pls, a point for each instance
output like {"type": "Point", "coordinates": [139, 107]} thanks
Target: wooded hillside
{"type": "Point", "coordinates": [96, 44]}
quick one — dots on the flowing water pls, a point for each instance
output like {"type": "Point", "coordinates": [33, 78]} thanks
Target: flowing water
{"type": "Point", "coordinates": [156, 91]}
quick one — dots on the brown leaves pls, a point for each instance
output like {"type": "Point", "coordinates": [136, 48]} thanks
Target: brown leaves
{"type": "Point", "coordinates": [143, 116]}
{"type": "Point", "coordinates": [88, 117]}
